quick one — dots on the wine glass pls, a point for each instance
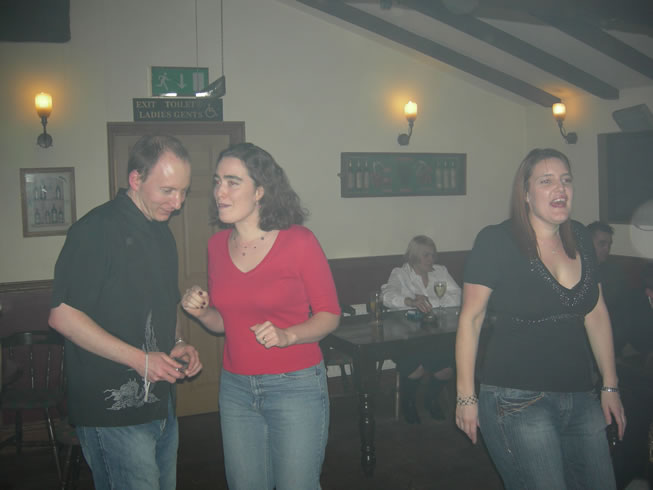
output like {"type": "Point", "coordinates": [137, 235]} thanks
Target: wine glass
{"type": "Point", "coordinates": [440, 288]}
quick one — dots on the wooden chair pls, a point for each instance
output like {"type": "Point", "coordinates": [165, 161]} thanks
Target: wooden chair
{"type": "Point", "coordinates": [71, 461]}
{"type": "Point", "coordinates": [40, 355]}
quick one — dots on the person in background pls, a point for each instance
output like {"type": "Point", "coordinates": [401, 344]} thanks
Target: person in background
{"type": "Point", "coordinates": [613, 282]}
{"type": "Point", "coordinates": [271, 292]}
{"type": "Point", "coordinates": [542, 423]}
{"type": "Point", "coordinates": [115, 300]}
{"type": "Point", "coordinates": [635, 371]}
{"type": "Point", "coordinates": [613, 279]}
{"type": "Point", "coordinates": [602, 234]}
{"type": "Point", "coordinates": [640, 316]}
{"type": "Point", "coordinates": [412, 286]}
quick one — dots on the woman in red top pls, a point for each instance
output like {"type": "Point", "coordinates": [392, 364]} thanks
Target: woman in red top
{"type": "Point", "coordinates": [271, 292]}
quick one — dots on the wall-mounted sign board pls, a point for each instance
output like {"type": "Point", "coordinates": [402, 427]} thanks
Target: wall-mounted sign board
{"type": "Point", "coordinates": [180, 80]}
{"type": "Point", "coordinates": [178, 109]}
{"type": "Point", "coordinates": [402, 174]}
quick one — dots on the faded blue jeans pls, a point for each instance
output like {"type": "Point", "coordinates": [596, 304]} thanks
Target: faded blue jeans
{"type": "Point", "coordinates": [546, 440]}
{"type": "Point", "coordinates": [134, 457]}
{"type": "Point", "coordinates": [274, 429]}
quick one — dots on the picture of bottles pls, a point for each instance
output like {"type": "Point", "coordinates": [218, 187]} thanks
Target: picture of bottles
{"type": "Point", "coordinates": [48, 200]}
{"type": "Point", "coordinates": [446, 176]}
{"type": "Point", "coordinates": [356, 175]}
{"type": "Point", "coordinates": [50, 216]}
{"type": "Point", "coordinates": [350, 177]}
{"type": "Point", "coordinates": [402, 174]}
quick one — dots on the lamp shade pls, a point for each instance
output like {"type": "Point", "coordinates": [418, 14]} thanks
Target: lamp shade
{"type": "Point", "coordinates": [43, 104]}
{"type": "Point", "coordinates": [559, 111]}
{"type": "Point", "coordinates": [410, 110]}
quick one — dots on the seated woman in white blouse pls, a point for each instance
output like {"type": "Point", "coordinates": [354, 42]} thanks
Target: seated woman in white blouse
{"type": "Point", "coordinates": [412, 286]}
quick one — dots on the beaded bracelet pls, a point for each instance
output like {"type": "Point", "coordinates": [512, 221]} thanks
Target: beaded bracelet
{"type": "Point", "coordinates": [611, 389]}
{"type": "Point", "coordinates": [463, 401]}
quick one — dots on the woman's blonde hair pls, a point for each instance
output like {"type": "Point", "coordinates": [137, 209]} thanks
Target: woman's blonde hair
{"type": "Point", "coordinates": [411, 256]}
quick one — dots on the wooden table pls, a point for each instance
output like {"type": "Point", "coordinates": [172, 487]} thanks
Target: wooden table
{"type": "Point", "coordinates": [368, 342]}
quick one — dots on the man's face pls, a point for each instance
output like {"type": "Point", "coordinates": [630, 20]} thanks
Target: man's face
{"type": "Point", "coordinates": [164, 190]}
{"type": "Point", "coordinates": [602, 244]}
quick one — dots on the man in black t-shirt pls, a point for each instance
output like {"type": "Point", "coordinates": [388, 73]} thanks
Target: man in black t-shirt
{"type": "Point", "coordinates": [636, 377]}
{"type": "Point", "coordinates": [613, 281]}
{"type": "Point", "coordinates": [115, 299]}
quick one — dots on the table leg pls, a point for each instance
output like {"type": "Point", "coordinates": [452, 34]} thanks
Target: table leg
{"type": "Point", "coordinates": [366, 384]}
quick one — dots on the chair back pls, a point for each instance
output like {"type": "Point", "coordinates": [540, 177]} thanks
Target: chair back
{"type": "Point", "coordinates": [39, 357]}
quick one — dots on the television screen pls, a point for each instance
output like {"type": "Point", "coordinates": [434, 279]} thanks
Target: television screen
{"type": "Point", "coordinates": [625, 174]}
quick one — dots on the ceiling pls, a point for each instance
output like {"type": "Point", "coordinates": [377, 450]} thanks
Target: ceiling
{"type": "Point", "coordinates": [543, 51]}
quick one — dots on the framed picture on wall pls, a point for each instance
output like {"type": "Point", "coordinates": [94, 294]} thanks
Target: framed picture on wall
{"type": "Point", "coordinates": [48, 200]}
{"type": "Point", "coordinates": [402, 174]}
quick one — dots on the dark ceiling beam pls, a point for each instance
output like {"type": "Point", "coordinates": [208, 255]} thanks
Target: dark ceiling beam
{"type": "Point", "coordinates": [515, 47]}
{"type": "Point", "coordinates": [599, 40]}
{"type": "Point", "coordinates": [434, 50]}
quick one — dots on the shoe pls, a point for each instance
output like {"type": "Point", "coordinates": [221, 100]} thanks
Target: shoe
{"type": "Point", "coordinates": [431, 399]}
{"type": "Point", "coordinates": [409, 400]}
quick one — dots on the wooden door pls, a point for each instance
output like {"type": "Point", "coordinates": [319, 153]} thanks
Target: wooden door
{"type": "Point", "coordinates": [192, 229]}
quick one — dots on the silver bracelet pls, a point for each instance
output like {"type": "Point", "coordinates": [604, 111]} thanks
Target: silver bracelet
{"type": "Point", "coordinates": [611, 389]}
{"type": "Point", "coordinates": [463, 401]}
{"type": "Point", "coordinates": [179, 340]}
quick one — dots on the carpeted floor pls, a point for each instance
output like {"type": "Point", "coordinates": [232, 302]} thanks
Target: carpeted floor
{"type": "Point", "coordinates": [433, 455]}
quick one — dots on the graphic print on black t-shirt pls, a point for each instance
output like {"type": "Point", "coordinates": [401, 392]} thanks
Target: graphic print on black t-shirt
{"type": "Point", "coordinates": [132, 393]}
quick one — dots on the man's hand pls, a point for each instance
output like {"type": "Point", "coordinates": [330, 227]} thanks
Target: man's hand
{"type": "Point", "coordinates": [188, 353]}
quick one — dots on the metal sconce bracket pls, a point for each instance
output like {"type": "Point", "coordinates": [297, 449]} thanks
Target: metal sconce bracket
{"type": "Point", "coordinates": [404, 138]}
{"type": "Point", "coordinates": [570, 138]}
{"type": "Point", "coordinates": [44, 140]}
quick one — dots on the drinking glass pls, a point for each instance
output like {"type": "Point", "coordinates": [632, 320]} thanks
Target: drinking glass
{"type": "Point", "coordinates": [375, 305]}
{"type": "Point", "coordinates": [440, 288]}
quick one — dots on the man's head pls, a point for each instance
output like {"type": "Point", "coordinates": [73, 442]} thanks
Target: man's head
{"type": "Point", "coordinates": [602, 238]}
{"type": "Point", "coordinates": [159, 176]}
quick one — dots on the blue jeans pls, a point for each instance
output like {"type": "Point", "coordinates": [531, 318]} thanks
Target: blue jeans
{"type": "Point", "coordinates": [134, 457]}
{"type": "Point", "coordinates": [274, 429]}
{"type": "Point", "coordinates": [546, 440]}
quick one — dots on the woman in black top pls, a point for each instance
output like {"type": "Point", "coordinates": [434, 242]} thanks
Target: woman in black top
{"type": "Point", "coordinates": [537, 272]}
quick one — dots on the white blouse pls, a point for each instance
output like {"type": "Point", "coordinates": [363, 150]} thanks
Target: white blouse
{"type": "Point", "coordinates": [405, 283]}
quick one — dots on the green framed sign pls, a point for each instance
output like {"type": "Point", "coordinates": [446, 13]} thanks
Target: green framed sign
{"type": "Point", "coordinates": [403, 174]}
{"type": "Point", "coordinates": [180, 80]}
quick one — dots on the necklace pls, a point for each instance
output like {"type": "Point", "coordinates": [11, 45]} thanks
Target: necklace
{"type": "Point", "coordinates": [553, 250]}
{"type": "Point", "coordinates": [244, 247]}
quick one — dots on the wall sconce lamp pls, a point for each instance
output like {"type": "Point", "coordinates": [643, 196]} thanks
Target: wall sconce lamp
{"type": "Point", "coordinates": [410, 111]}
{"type": "Point", "coordinates": [559, 112]}
{"type": "Point", "coordinates": [43, 103]}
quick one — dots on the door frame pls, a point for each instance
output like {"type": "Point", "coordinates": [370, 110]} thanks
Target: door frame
{"type": "Point", "coordinates": [234, 129]}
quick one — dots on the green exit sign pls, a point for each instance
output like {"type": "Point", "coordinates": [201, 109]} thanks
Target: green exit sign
{"type": "Point", "coordinates": [179, 80]}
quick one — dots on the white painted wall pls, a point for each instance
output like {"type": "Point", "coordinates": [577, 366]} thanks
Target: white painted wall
{"type": "Point", "coordinates": [308, 87]}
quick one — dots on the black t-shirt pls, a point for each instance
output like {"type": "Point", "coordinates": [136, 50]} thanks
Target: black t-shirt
{"type": "Point", "coordinates": [539, 341]}
{"type": "Point", "coordinates": [639, 322]}
{"type": "Point", "coordinates": [121, 270]}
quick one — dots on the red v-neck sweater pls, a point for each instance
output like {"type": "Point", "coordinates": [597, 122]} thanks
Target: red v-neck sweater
{"type": "Point", "coordinates": [292, 280]}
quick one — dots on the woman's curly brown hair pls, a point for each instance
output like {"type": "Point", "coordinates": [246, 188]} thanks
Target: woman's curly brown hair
{"type": "Point", "coordinates": [280, 206]}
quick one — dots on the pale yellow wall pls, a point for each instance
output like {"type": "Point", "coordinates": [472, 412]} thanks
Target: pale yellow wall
{"type": "Point", "coordinates": [308, 88]}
